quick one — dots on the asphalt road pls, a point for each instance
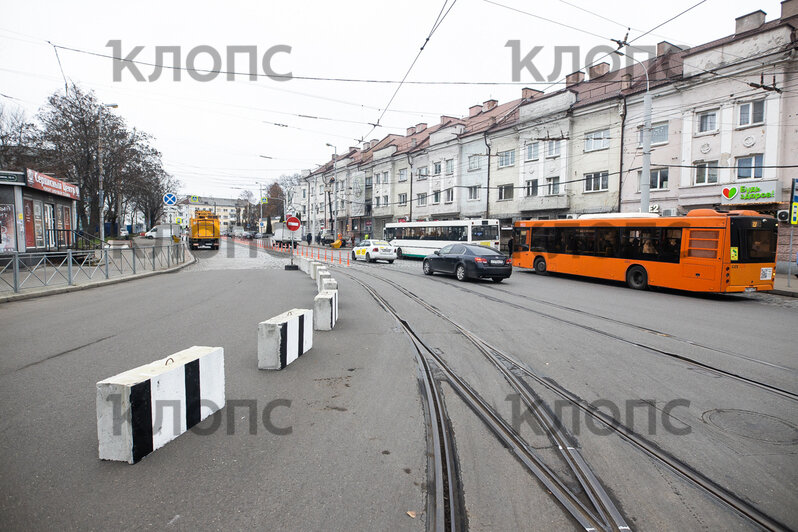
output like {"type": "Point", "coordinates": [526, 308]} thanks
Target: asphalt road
{"type": "Point", "coordinates": [356, 456]}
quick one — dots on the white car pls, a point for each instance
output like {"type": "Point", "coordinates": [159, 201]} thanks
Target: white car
{"type": "Point", "coordinates": [371, 250]}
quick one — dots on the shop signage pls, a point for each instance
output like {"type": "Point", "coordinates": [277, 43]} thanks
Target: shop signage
{"type": "Point", "coordinates": [12, 177]}
{"type": "Point", "coordinates": [761, 192]}
{"type": "Point", "coordinates": [52, 185]}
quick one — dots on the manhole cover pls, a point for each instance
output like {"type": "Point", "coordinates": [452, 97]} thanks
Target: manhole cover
{"type": "Point", "coordinates": [753, 425]}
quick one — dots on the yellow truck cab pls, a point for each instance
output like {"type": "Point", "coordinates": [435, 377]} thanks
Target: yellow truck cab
{"type": "Point", "coordinates": [204, 230]}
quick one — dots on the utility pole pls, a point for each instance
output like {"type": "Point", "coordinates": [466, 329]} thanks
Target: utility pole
{"type": "Point", "coordinates": [645, 174]}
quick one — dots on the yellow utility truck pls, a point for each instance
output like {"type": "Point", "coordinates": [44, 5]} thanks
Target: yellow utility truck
{"type": "Point", "coordinates": [204, 230]}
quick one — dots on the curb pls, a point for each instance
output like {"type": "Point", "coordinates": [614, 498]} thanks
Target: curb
{"type": "Point", "coordinates": [785, 293]}
{"type": "Point", "coordinates": [95, 284]}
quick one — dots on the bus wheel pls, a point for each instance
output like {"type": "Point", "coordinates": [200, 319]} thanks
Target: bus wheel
{"type": "Point", "coordinates": [398, 253]}
{"type": "Point", "coordinates": [637, 278]}
{"type": "Point", "coordinates": [540, 266]}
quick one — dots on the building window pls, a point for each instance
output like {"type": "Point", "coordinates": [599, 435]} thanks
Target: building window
{"type": "Point", "coordinates": [552, 186]}
{"type": "Point", "coordinates": [706, 172]}
{"type": "Point", "coordinates": [506, 158]}
{"type": "Point", "coordinates": [553, 148]}
{"type": "Point", "coordinates": [423, 172]}
{"type": "Point", "coordinates": [449, 166]}
{"type": "Point", "coordinates": [597, 181]}
{"type": "Point", "coordinates": [402, 199]}
{"type": "Point", "coordinates": [473, 192]}
{"type": "Point", "coordinates": [436, 197]}
{"type": "Point", "coordinates": [449, 195]}
{"type": "Point", "coordinates": [531, 188]}
{"type": "Point", "coordinates": [368, 182]}
{"type": "Point", "coordinates": [505, 192]}
{"type": "Point", "coordinates": [659, 134]}
{"type": "Point", "coordinates": [422, 199]}
{"type": "Point", "coordinates": [385, 177]}
{"type": "Point", "coordinates": [403, 174]}
{"type": "Point", "coordinates": [597, 140]}
{"type": "Point", "coordinates": [659, 179]}
{"type": "Point", "coordinates": [385, 200]}
{"type": "Point", "coordinates": [377, 201]}
{"type": "Point", "coordinates": [473, 162]}
{"type": "Point", "coordinates": [749, 167]}
{"type": "Point", "coordinates": [752, 113]}
{"type": "Point", "coordinates": [708, 121]}
{"type": "Point", "coordinates": [436, 168]}
{"type": "Point", "coordinates": [303, 194]}
{"type": "Point", "coordinates": [533, 151]}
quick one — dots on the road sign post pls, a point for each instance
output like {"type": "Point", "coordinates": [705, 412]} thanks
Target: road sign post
{"type": "Point", "coordinates": [292, 223]}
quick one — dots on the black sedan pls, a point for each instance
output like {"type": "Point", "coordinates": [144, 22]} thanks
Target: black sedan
{"type": "Point", "coordinates": [469, 261]}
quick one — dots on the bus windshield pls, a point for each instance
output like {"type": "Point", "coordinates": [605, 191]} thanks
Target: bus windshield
{"type": "Point", "coordinates": [754, 238]}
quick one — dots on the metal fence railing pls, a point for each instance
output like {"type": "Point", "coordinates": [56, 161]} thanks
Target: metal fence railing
{"type": "Point", "coordinates": [19, 271]}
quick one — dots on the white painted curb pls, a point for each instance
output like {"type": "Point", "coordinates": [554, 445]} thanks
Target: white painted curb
{"type": "Point", "coordinates": [145, 408]}
{"type": "Point", "coordinates": [284, 338]}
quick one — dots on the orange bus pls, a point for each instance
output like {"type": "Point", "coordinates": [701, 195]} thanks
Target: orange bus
{"type": "Point", "coordinates": [705, 251]}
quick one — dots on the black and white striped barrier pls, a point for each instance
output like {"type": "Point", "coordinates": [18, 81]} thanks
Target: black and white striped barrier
{"type": "Point", "coordinates": [325, 310]}
{"type": "Point", "coordinates": [284, 338]}
{"type": "Point", "coordinates": [329, 284]}
{"type": "Point", "coordinates": [321, 275]}
{"type": "Point", "coordinates": [143, 409]}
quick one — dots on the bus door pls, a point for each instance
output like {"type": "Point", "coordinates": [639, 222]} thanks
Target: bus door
{"type": "Point", "coordinates": [701, 256]}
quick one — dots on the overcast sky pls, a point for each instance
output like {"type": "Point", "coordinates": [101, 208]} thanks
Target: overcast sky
{"type": "Point", "coordinates": [212, 134]}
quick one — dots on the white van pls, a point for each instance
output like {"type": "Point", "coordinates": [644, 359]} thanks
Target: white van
{"type": "Point", "coordinates": [163, 231]}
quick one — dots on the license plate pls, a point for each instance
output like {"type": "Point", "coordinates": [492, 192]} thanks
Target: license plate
{"type": "Point", "coordinates": [765, 274]}
{"type": "Point", "coordinates": [497, 262]}
{"type": "Point", "coordinates": [750, 289]}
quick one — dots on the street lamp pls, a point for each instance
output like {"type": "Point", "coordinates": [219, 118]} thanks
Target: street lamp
{"type": "Point", "coordinates": [100, 163]}
{"type": "Point", "coordinates": [645, 174]}
{"type": "Point", "coordinates": [334, 218]}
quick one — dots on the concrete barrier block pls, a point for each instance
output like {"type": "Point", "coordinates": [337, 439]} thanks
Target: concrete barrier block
{"type": "Point", "coordinates": [303, 264]}
{"type": "Point", "coordinates": [284, 338]}
{"type": "Point", "coordinates": [325, 310]}
{"type": "Point", "coordinates": [329, 284]}
{"type": "Point", "coordinates": [145, 408]}
{"type": "Point", "coordinates": [314, 267]}
{"type": "Point", "coordinates": [321, 275]}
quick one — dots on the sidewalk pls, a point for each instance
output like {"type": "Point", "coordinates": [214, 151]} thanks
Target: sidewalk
{"type": "Point", "coordinates": [780, 285]}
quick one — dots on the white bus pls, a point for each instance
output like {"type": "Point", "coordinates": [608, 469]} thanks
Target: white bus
{"type": "Point", "coordinates": [419, 239]}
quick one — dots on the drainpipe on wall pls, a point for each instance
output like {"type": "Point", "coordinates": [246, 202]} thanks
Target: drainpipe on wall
{"type": "Point", "coordinates": [410, 197]}
{"type": "Point", "coordinates": [487, 190]}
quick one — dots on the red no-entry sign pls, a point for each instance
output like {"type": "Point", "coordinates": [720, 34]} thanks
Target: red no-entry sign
{"type": "Point", "coordinates": [292, 223]}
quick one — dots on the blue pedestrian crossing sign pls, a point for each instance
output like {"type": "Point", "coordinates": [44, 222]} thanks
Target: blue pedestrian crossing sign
{"type": "Point", "coordinates": [169, 199]}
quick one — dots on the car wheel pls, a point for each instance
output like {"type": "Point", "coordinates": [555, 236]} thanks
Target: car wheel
{"type": "Point", "coordinates": [354, 256]}
{"type": "Point", "coordinates": [637, 278]}
{"type": "Point", "coordinates": [540, 266]}
{"type": "Point", "coordinates": [398, 253]}
{"type": "Point", "coordinates": [460, 272]}
{"type": "Point", "coordinates": [368, 257]}
{"type": "Point", "coordinates": [427, 268]}
{"type": "Point", "coordinates": [390, 261]}
{"type": "Point", "coordinates": [498, 279]}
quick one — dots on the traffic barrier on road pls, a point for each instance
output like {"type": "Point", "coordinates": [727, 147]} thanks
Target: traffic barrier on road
{"type": "Point", "coordinates": [303, 264]}
{"type": "Point", "coordinates": [321, 275]}
{"type": "Point", "coordinates": [145, 408]}
{"type": "Point", "coordinates": [325, 310]}
{"type": "Point", "coordinates": [284, 338]}
{"type": "Point", "coordinates": [314, 267]}
{"type": "Point", "coordinates": [329, 284]}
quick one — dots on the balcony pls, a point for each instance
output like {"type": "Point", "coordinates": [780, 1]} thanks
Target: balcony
{"type": "Point", "coordinates": [544, 203]}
